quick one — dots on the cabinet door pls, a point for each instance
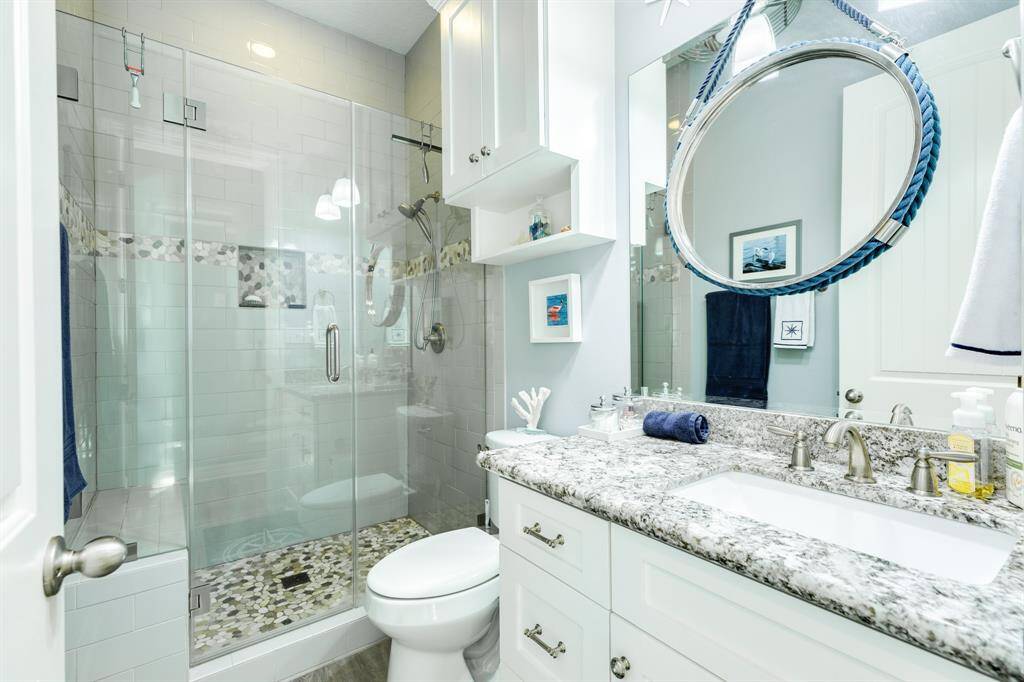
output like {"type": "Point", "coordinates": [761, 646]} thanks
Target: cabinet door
{"type": "Point", "coordinates": [462, 92]}
{"type": "Point", "coordinates": [513, 82]}
{"type": "Point", "coordinates": [549, 631]}
{"type": "Point", "coordinates": [648, 659]}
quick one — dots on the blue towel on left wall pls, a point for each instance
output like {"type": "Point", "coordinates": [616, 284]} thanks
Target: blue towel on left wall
{"type": "Point", "coordinates": [74, 481]}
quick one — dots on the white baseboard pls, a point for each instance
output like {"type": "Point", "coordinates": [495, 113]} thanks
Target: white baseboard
{"type": "Point", "coordinates": [293, 653]}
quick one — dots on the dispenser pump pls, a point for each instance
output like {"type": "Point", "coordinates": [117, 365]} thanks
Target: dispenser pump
{"type": "Point", "coordinates": [984, 395]}
{"type": "Point", "coordinates": [968, 415]}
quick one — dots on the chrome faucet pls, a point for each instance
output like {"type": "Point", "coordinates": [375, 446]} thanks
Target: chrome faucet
{"type": "Point", "coordinates": [859, 462]}
{"type": "Point", "coordinates": [902, 415]}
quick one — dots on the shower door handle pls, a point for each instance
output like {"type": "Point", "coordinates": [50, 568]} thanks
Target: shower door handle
{"type": "Point", "coordinates": [333, 360]}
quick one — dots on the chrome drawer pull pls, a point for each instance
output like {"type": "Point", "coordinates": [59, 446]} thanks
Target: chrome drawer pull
{"type": "Point", "coordinates": [534, 532]}
{"type": "Point", "coordinates": [533, 634]}
{"type": "Point", "coordinates": [620, 666]}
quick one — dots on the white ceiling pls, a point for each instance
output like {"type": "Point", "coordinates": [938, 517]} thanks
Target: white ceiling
{"type": "Point", "coordinates": [394, 24]}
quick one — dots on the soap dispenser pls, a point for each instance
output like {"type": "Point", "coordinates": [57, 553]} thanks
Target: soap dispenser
{"type": "Point", "coordinates": [970, 436]}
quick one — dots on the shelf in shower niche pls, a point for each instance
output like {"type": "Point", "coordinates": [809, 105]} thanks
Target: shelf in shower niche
{"type": "Point", "coordinates": [277, 277]}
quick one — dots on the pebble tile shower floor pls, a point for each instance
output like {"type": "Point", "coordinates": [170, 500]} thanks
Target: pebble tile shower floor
{"type": "Point", "coordinates": [248, 600]}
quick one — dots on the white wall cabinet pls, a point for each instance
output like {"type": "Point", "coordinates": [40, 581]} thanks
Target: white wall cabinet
{"type": "Point", "coordinates": [528, 105]}
{"type": "Point", "coordinates": [673, 616]}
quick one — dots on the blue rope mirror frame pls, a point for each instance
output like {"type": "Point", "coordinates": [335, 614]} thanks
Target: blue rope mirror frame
{"type": "Point", "coordinates": [890, 58]}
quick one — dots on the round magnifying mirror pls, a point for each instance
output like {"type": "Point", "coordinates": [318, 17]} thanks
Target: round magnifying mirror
{"type": "Point", "coordinates": [793, 167]}
{"type": "Point", "coordinates": [385, 295]}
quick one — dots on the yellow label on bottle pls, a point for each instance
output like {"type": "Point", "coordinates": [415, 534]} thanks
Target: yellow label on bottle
{"type": "Point", "coordinates": [960, 475]}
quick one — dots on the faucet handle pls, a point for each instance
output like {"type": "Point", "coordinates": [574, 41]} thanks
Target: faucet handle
{"type": "Point", "coordinates": [800, 460]}
{"type": "Point", "coordinates": [924, 480]}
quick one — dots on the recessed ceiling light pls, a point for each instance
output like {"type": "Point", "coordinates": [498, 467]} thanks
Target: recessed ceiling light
{"type": "Point", "coordinates": [262, 49]}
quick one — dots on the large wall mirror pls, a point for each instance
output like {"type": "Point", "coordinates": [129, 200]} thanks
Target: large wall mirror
{"type": "Point", "coordinates": [793, 172]}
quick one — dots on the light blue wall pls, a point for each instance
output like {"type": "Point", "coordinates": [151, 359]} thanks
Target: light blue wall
{"type": "Point", "coordinates": [578, 373]}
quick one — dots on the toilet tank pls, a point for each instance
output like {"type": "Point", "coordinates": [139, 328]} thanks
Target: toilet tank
{"type": "Point", "coordinates": [507, 438]}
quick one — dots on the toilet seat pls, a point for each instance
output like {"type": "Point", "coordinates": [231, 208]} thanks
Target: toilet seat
{"type": "Point", "coordinates": [440, 565]}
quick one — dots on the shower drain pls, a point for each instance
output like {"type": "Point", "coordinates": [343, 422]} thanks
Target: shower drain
{"type": "Point", "coordinates": [292, 581]}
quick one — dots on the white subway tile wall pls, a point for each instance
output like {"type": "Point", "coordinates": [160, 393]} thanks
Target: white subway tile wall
{"type": "Point", "coordinates": [132, 624]}
{"type": "Point", "coordinates": [306, 53]}
{"type": "Point", "coordinates": [468, 380]}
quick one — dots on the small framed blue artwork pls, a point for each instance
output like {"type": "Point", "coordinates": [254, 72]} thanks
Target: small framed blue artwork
{"type": "Point", "coordinates": [555, 315]}
{"type": "Point", "coordinates": [557, 311]}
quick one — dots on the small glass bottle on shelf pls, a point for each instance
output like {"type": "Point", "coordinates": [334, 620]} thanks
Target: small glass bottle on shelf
{"type": "Point", "coordinates": [540, 220]}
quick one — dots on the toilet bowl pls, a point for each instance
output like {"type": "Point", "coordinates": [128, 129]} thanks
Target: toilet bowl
{"type": "Point", "coordinates": [434, 597]}
{"type": "Point", "coordinates": [328, 509]}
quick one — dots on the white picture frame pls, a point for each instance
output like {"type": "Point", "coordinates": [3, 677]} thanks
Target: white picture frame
{"type": "Point", "coordinates": [555, 315]}
{"type": "Point", "coordinates": [782, 244]}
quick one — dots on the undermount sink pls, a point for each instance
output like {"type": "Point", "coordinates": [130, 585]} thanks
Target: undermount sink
{"type": "Point", "coordinates": [963, 552]}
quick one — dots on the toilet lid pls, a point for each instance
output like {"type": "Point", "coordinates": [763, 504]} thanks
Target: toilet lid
{"type": "Point", "coordinates": [436, 566]}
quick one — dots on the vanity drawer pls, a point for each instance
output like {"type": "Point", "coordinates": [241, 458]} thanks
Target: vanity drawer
{"type": "Point", "coordinates": [566, 542]}
{"type": "Point", "coordinates": [563, 621]}
{"type": "Point", "coordinates": [739, 629]}
{"type": "Point", "coordinates": [650, 659]}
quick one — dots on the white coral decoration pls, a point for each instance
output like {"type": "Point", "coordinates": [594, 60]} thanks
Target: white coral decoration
{"type": "Point", "coordinates": [535, 402]}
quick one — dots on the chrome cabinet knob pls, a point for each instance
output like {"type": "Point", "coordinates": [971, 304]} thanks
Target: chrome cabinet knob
{"type": "Point", "coordinates": [101, 556]}
{"type": "Point", "coordinates": [620, 666]}
{"type": "Point", "coordinates": [473, 158]}
{"type": "Point", "coordinates": [854, 396]}
{"type": "Point", "coordinates": [485, 151]}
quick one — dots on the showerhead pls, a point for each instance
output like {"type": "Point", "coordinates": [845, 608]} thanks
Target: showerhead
{"type": "Point", "coordinates": [410, 211]}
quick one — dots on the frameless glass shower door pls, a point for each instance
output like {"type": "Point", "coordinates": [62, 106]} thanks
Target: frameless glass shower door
{"type": "Point", "coordinates": [272, 439]}
{"type": "Point", "coordinates": [122, 176]}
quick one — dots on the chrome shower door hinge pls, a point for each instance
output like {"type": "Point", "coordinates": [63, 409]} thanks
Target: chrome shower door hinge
{"type": "Point", "coordinates": [199, 599]}
{"type": "Point", "coordinates": [184, 111]}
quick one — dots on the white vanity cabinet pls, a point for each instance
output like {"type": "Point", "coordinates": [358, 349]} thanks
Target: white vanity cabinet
{"type": "Point", "coordinates": [604, 602]}
{"type": "Point", "coordinates": [527, 106]}
{"type": "Point", "coordinates": [491, 87]}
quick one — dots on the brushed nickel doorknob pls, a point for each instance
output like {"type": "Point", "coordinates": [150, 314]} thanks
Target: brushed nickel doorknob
{"type": "Point", "coordinates": [620, 666]}
{"type": "Point", "coordinates": [101, 556]}
{"type": "Point", "coordinates": [854, 396]}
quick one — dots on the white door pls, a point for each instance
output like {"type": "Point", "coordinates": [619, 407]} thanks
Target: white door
{"type": "Point", "coordinates": [512, 84]}
{"type": "Point", "coordinates": [896, 315]}
{"type": "Point", "coordinates": [462, 93]}
{"type": "Point", "coordinates": [31, 625]}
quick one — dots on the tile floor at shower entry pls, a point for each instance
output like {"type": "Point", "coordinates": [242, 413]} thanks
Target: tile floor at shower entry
{"type": "Point", "coordinates": [252, 597]}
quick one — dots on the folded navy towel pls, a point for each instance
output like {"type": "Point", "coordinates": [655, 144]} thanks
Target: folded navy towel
{"type": "Point", "coordinates": [654, 424]}
{"type": "Point", "coordinates": [688, 427]}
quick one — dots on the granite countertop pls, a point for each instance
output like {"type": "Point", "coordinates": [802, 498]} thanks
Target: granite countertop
{"type": "Point", "coordinates": [979, 626]}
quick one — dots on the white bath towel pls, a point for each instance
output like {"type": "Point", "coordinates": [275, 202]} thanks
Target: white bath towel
{"type": "Point", "coordinates": [988, 327]}
{"type": "Point", "coordinates": [794, 321]}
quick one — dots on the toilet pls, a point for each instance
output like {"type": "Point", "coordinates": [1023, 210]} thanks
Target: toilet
{"type": "Point", "coordinates": [434, 597]}
{"type": "Point", "coordinates": [507, 438]}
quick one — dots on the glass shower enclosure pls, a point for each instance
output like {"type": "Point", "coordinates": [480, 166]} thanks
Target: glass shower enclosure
{"type": "Point", "coordinates": [217, 230]}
